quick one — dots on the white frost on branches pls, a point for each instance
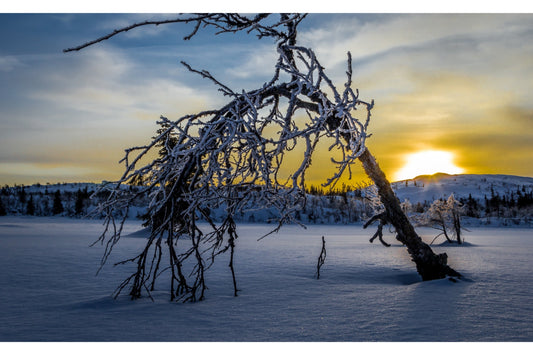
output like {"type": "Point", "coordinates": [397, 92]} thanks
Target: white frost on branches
{"type": "Point", "coordinates": [232, 157]}
{"type": "Point", "coordinates": [445, 215]}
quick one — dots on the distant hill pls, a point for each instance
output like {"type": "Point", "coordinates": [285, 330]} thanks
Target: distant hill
{"type": "Point", "coordinates": [488, 199]}
{"type": "Point", "coordinates": [441, 185]}
{"type": "Point", "coordinates": [436, 176]}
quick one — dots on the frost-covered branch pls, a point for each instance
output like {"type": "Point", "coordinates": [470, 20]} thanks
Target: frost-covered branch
{"type": "Point", "coordinates": [222, 22]}
{"type": "Point", "coordinates": [445, 216]}
{"type": "Point", "coordinates": [233, 158]}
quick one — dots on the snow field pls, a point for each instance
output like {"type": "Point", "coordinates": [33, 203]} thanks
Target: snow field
{"type": "Point", "coordinates": [366, 292]}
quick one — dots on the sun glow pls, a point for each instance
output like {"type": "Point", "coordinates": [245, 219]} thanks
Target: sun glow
{"type": "Point", "coordinates": [428, 162]}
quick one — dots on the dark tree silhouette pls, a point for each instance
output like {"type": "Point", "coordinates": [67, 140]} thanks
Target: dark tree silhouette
{"type": "Point", "coordinates": [30, 207]}
{"type": "Point", "coordinates": [3, 211]}
{"type": "Point", "coordinates": [229, 157]}
{"type": "Point", "coordinates": [57, 207]}
{"type": "Point", "coordinates": [321, 258]}
{"type": "Point", "coordinates": [80, 202]}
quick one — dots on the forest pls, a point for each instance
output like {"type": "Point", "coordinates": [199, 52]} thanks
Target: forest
{"type": "Point", "coordinates": [346, 204]}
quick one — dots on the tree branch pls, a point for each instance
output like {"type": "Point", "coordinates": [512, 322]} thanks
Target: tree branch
{"type": "Point", "coordinates": [222, 21]}
{"type": "Point", "coordinates": [321, 258]}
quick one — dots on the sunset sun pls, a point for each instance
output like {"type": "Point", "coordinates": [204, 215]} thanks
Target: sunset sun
{"type": "Point", "coordinates": [428, 162]}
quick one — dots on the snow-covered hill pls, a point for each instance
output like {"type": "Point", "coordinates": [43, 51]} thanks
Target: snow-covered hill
{"type": "Point", "coordinates": [433, 187]}
{"type": "Point", "coordinates": [486, 198]}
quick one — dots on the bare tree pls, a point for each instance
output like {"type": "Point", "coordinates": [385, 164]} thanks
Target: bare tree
{"type": "Point", "coordinates": [437, 217]}
{"type": "Point", "coordinates": [445, 215]}
{"type": "Point", "coordinates": [230, 157]}
{"type": "Point", "coordinates": [456, 210]}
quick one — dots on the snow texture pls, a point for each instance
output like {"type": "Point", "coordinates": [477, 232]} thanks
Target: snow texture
{"type": "Point", "coordinates": [366, 292]}
{"type": "Point", "coordinates": [430, 188]}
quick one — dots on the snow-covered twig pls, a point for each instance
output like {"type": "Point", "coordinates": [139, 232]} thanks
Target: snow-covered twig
{"type": "Point", "coordinates": [233, 157]}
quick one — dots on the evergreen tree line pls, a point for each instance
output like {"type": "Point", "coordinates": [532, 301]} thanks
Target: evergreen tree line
{"type": "Point", "coordinates": [343, 205]}
{"type": "Point", "coordinates": [343, 190]}
{"type": "Point", "coordinates": [50, 202]}
{"type": "Point", "coordinates": [513, 204]}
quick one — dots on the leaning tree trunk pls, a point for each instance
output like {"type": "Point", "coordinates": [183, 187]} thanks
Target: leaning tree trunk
{"type": "Point", "coordinates": [429, 265]}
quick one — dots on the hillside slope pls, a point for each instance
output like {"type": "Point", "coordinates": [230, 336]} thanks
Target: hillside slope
{"type": "Point", "coordinates": [432, 187]}
{"type": "Point", "coordinates": [485, 197]}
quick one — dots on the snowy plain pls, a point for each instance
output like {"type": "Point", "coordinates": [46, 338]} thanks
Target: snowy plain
{"type": "Point", "coordinates": [367, 292]}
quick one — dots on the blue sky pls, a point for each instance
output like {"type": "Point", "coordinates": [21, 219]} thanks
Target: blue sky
{"type": "Point", "coordinates": [462, 83]}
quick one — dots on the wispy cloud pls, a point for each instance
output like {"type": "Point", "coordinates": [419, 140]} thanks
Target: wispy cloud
{"type": "Point", "coordinates": [439, 82]}
{"type": "Point", "coordinates": [383, 33]}
{"type": "Point", "coordinates": [257, 61]}
{"type": "Point", "coordinates": [8, 63]}
{"type": "Point", "coordinates": [460, 83]}
{"type": "Point", "coordinates": [106, 83]}
{"type": "Point", "coordinates": [97, 104]}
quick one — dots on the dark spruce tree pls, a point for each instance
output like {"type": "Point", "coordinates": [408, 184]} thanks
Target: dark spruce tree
{"type": "Point", "coordinates": [57, 207]}
{"type": "Point", "coordinates": [22, 194]}
{"type": "Point", "coordinates": [30, 207]}
{"type": "Point", "coordinates": [3, 211]}
{"type": "Point", "coordinates": [80, 202]}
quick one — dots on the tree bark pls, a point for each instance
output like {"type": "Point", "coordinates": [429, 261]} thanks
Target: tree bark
{"type": "Point", "coordinates": [442, 223]}
{"type": "Point", "coordinates": [429, 265]}
{"type": "Point", "coordinates": [457, 226]}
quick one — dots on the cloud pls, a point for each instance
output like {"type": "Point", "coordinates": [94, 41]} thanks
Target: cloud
{"type": "Point", "coordinates": [379, 34]}
{"type": "Point", "coordinates": [84, 110]}
{"type": "Point", "coordinates": [486, 128]}
{"type": "Point", "coordinates": [386, 48]}
{"type": "Point", "coordinates": [436, 79]}
{"type": "Point", "coordinates": [109, 85]}
{"type": "Point", "coordinates": [497, 151]}
{"type": "Point", "coordinates": [45, 170]}
{"type": "Point", "coordinates": [451, 82]}
{"type": "Point", "coordinates": [8, 63]}
{"type": "Point", "coordinates": [258, 61]}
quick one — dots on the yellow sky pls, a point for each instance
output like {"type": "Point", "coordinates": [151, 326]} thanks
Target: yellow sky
{"type": "Point", "coordinates": [460, 83]}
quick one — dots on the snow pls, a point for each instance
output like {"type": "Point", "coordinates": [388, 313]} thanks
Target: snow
{"type": "Point", "coordinates": [366, 292]}
{"type": "Point", "coordinates": [320, 209]}
{"type": "Point", "coordinates": [428, 188]}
